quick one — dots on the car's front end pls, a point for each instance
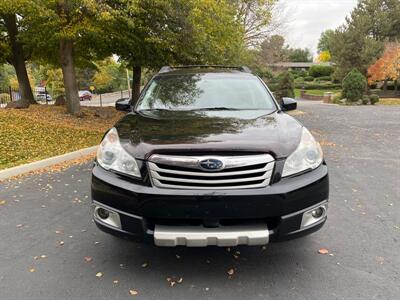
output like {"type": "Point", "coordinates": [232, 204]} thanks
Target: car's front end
{"type": "Point", "coordinates": [209, 177]}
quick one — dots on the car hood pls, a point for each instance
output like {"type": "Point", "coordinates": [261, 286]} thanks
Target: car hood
{"type": "Point", "coordinates": [147, 132]}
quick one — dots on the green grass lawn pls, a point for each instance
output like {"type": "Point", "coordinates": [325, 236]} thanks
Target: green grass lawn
{"type": "Point", "coordinates": [315, 92]}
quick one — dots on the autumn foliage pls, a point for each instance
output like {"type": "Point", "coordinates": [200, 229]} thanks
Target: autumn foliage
{"type": "Point", "coordinates": [388, 66]}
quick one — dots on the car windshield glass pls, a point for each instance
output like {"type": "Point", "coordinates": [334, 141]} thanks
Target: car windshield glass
{"type": "Point", "coordinates": [206, 91]}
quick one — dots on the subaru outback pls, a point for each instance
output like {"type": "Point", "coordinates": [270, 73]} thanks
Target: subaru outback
{"type": "Point", "coordinates": [207, 156]}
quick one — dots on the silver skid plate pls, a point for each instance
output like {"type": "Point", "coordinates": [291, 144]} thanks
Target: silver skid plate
{"type": "Point", "coordinates": [199, 236]}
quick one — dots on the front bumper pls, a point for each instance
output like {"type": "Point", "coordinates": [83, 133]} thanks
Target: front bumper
{"type": "Point", "coordinates": [143, 210]}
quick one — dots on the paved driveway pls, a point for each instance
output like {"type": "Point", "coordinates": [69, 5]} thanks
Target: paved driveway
{"type": "Point", "coordinates": [49, 215]}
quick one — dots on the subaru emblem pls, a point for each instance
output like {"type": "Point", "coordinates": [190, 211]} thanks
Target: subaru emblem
{"type": "Point", "coordinates": [211, 164]}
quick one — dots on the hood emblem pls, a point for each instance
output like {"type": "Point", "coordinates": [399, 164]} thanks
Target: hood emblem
{"type": "Point", "coordinates": [211, 164]}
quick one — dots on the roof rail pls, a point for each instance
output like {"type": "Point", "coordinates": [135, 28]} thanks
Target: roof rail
{"type": "Point", "coordinates": [171, 68]}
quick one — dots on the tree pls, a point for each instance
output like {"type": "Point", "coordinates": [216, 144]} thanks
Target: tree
{"type": "Point", "coordinates": [360, 41]}
{"type": "Point", "coordinates": [6, 71]}
{"type": "Point", "coordinates": [255, 16]}
{"type": "Point", "coordinates": [285, 86]}
{"type": "Point", "coordinates": [325, 40]}
{"type": "Point", "coordinates": [354, 85]}
{"type": "Point", "coordinates": [299, 55]}
{"type": "Point", "coordinates": [324, 56]}
{"type": "Point", "coordinates": [109, 76]}
{"type": "Point", "coordinates": [387, 67]}
{"type": "Point", "coordinates": [153, 33]}
{"type": "Point", "coordinates": [273, 50]}
{"type": "Point", "coordinates": [12, 48]}
{"type": "Point", "coordinates": [65, 33]}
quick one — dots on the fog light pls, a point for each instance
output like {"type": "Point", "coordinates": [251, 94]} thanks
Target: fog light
{"type": "Point", "coordinates": [107, 216]}
{"type": "Point", "coordinates": [314, 215]}
{"type": "Point", "coordinates": [102, 213]}
{"type": "Point", "coordinates": [317, 213]}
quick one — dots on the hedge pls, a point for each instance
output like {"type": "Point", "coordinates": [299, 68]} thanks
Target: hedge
{"type": "Point", "coordinates": [320, 70]}
{"type": "Point", "coordinates": [318, 86]}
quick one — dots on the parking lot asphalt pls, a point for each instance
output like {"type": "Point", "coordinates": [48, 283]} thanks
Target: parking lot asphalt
{"type": "Point", "coordinates": [50, 248]}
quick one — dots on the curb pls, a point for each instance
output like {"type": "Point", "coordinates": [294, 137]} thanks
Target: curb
{"type": "Point", "coordinates": [18, 170]}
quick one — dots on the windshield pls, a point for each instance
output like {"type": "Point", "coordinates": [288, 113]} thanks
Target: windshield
{"type": "Point", "coordinates": [206, 91]}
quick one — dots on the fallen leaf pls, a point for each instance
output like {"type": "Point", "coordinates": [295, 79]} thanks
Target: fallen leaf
{"type": "Point", "coordinates": [180, 280]}
{"type": "Point", "coordinates": [2, 202]}
{"type": "Point", "coordinates": [133, 292]}
{"type": "Point", "coordinates": [61, 243]}
{"type": "Point", "coordinates": [144, 265]}
{"type": "Point", "coordinates": [115, 281]}
{"type": "Point", "coordinates": [88, 259]}
{"type": "Point", "coordinates": [177, 256]}
{"type": "Point", "coordinates": [32, 270]}
{"type": "Point", "coordinates": [99, 274]}
{"type": "Point", "coordinates": [231, 272]}
{"type": "Point", "coordinates": [19, 225]}
{"type": "Point", "coordinates": [59, 231]}
{"type": "Point", "coordinates": [323, 251]}
{"type": "Point", "coordinates": [43, 256]}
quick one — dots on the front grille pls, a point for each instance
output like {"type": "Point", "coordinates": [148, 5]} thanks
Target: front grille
{"type": "Point", "coordinates": [185, 172]}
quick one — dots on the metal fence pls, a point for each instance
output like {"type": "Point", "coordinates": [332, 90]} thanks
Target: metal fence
{"type": "Point", "coordinates": [42, 96]}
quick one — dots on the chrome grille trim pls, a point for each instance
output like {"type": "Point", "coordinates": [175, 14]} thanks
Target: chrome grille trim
{"type": "Point", "coordinates": [164, 177]}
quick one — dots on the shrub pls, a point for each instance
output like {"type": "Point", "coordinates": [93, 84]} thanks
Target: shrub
{"type": "Point", "coordinates": [308, 78]}
{"type": "Point", "coordinates": [303, 73]}
{"type": "Point", "coordinates": [263, 72]}
{"type": "Point", "coordinates": [285, 86]}
{"type": "Point", "coordinates": [336, 98]}
{"type": "Point", "coordinates": [299, 79]}
{"type": "Point", "coordinates": [373, 99]}
{"type": "Point", "coordinates": [4, 98]}
{"type": "Point", "coordinates": [365, 100]}
{"type": "Point", "coordinates": [325, 78]}
{"type": "Point", "coordinates": [272, 86]}
{"type": "Point", "coordinates": [375, 91]}
{"type": "Point", "coordinates": [320, 70]}
{"type": "Point", "coordinates": [354, 85]}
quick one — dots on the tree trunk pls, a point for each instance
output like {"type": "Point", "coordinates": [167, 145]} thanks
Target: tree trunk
{"type": "Point", "coordinates": [137, 76]}
{"type": "Point", "coordinates": [18, 61]}
{"type": "Point", "coordinates": [385, 86]}
{"type": "Point", "coordinates": [68, 69]}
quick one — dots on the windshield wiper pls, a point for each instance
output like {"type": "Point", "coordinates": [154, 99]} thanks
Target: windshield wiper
{"type": "Point", "coordinates": [216, 108]}
{"type": "Point", "coordinates": [158, 109]}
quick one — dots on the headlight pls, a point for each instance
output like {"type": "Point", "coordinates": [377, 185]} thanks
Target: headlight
{"type": "Point", "coordinates": [308, 155]}
{"type": "Point", "coordinates": [111, 155]}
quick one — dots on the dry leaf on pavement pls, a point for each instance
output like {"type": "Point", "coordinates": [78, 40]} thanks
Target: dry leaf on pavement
{"type": "Point", "coordinates": [231, 272]}
{"type": "Point", "coordinates": [323, 251]}
{"type": "Point", "coordinates": [99, 274]}
{"type": "Point", "coordinates": [133, 292]}
{"type": "Point", "coordinates": [88, 259]}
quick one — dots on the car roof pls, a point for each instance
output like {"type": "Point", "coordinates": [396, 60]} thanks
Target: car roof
{"type": "Point", "coordinates": [199, 71]}
{"type": "Point", "coordinates": [205, 69]}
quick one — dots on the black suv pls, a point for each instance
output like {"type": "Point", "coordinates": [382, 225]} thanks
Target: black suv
{"type": "Point", "coordinates": [208, 157]}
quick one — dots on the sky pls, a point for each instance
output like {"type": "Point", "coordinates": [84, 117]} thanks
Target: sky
{"type": "Point", "coordinates": [306, 19]}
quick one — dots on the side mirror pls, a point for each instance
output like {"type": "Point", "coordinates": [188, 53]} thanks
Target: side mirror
{"type": "Point", "coordinates": [123, 104]}
{"type": "Point", "coordinates": [288, 104]}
